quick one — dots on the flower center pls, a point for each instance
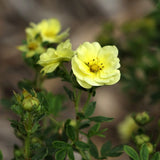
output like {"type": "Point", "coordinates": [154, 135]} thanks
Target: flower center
{"type": "Point", "coordinates": [32, 46]}
{"type": "Point", "coordinates": [95, 66]}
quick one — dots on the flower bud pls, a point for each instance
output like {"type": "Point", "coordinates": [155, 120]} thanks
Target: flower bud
{"type": "Point", "coordinates": [73, 123]}
{"type": "Point", "coordinates": [142, 118]}
{"type": "Point", "coordinates": [29, 101]}
{"type": "Point", "coordinates": [150, 147]}
{"type": "Point", "coordinates": [142, 138]}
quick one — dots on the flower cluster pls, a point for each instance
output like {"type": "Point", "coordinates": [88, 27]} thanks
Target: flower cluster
{"type": "Point", "coordinates": [37, 34]}
{"type": "Point", "coordinates": [92, 65]}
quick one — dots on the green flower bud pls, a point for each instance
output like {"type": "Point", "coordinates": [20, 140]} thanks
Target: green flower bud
{"type": "Point", "coordinates": [29, 101]}
{"type": "Point", "coordinates": [73, 123]}
{"type": "Point", "coordinates": [150, 147]}
{"type": "Point", "coordinates": [142, 118]}
{"type": "Point", "coordinates": [142, 138]}
{"type": "Point", "coordinates": [17, 153]}
{"type": "Point", "coordinates": [36, 140]}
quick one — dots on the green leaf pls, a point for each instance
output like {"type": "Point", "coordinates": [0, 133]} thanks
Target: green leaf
{"type": "Point", "coordinates": [70, 131]}
{"type": "Point", "coordinates": [100, 119]}
{"type": "Point", "coordinates": [69, 93]}
{"type": "Point", "coordinates": [94, 130]}
{"type": "Point", "coordinates": [1, 156]}
{"type": "Point", "coordinates": [156, 156]}
{"type": "Point", "coordinates": [80, 115]}
{"type": "Point", "coordinates": [70, 153]}
{"type": "Point", "coordinates": [90, 109]}
{"type": "Point", "coordinates": [40, 154]}
{"type": "Point", "coordinates": [116, 151]}
{"type": "Point", "coordinates": [106, 147]}
{"type": "Point", "coordinates": [60, 144]}
{"type": "Point", "coordinates": [61, 154]}
{"type": "Point", "coordinates": [131, 152]}
{"type": "Point", "coordinates": [144, 154]}
{"type": "Point", "coordinates": [82, 145]}
{"type": "Point", "coordinates": [93, 149]}
{"type": "Point", "coordinates": [84, 124]}
{"type": "Point", "coordinates": [54, 103]}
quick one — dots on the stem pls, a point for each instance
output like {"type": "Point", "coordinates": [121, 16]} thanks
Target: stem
{"type": "Point", "coordinates": [39, 78]}
{"type": "Point", "coordinates": [76, 102]}
{"type": "Point", "coordinates": [27, 147]}
{"type": "Point", "coordinates": [87, 102]}
{"type": "Point", "coordinates": [28, 127]}
{"type": "Point", "coordinates": [77, 99]}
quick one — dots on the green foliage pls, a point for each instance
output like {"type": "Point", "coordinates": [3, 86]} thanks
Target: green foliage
{"type": "Point", "coordinates": [143, 155]}
{"type": "Point", "coordinates": [93, 150]}
{"type": "Point", "coordinates": [100, 119]}
{"type": "Point", "coordinates": [131, 152]}
{"type": "Point", "coordinates": [90, 109]}
{"type": "Point", "coordinates": [1, 156]}
{"type": "Point", "coordinates": [54, 103]}
{"type": "Point", "coordinates": [70, 131]}
{"type": "Point", "coordinates": [61, 154]}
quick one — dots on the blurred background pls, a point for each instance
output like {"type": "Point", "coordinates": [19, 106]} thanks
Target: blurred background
{"type": "Point", "coordinates": [85, 18]}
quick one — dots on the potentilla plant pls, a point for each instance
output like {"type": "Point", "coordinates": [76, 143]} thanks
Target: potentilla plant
{"type": "Point", "coordinates": [47, 51]}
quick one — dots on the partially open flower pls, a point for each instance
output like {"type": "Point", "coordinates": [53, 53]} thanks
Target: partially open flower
{"type": "Point", "coordinates": [31, 48]}
{"type": "Point", "coordinates": [51, 59]}
{"type": "Point", "coordinates": [48, 30]}
{"type": "Point", "coordinates": [96, 66]}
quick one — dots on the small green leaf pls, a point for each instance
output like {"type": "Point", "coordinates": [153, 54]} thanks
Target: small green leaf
{"type": "Point", "coordinates": [93, 149]}
{"type": "Point", "coordinates": [100, 119]}
{"type": "Point", "coordinates": [70, 153]}
{"type": "Point", "coordinates": [90, 109]}
{"type": "Point", "coordinates": [144, 154]}
{"type": "Point", "coordinates": [40, 154]}
{"type": "Point", "coordinates": [93, 130]}
{"type": "Point", "coordinates": [82, 145]}
{"type": "Point", "coordinates": [115, 151]}
{"type": "Point", "coordinates": [61, 154]}
{"type": "Point", "coordinates": [131, 152]}
{"type": "Point", "coordinates": [80, 115]}
{"type": "Point", "coordinates": [84, 124]}
{"type": "Point", "coordinates": [156, 156]}
{"type": "Point", "coordinates": [106, 148]}
{"type": "Point", "coordinates": [1, 156]}
{"type": "Point", "coordinates": [69, 93]}
{"type": "Point", "coordinates": [54, 103]}
{"type": "Point", "coordinates": [60, 144]}
{"type": "Point", "coordinates": [70, 131]}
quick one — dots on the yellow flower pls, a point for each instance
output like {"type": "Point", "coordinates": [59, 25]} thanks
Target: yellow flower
{"type": "Point", "coordinates": [51, 59]}
{"type": "Point", "coordinates": [96, 66]}
{"type": "Point", "coordinates": [31, 31]}
{"type": "Point", "coordinates": [31, 48]}
{"type": "Point", "coordinates": [126, 128]}
{"type": "Point", "coordinates": [48, 30]}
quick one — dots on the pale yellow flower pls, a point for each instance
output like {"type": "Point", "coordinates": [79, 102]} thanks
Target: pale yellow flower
{"type": "Point", "coordinates": [51, 59]}
{"type": "Point", "coordinates": [48, 30]}
{"type": "Point", "coordinates": [126, 128]}
{"type": "Point", "coordinates": [96, 66]}
{"type": "Point", "coordinates": [31, 48]}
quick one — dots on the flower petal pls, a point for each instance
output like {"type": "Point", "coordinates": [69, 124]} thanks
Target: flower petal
{"type": "Point", "coordinates": [88, 51]}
